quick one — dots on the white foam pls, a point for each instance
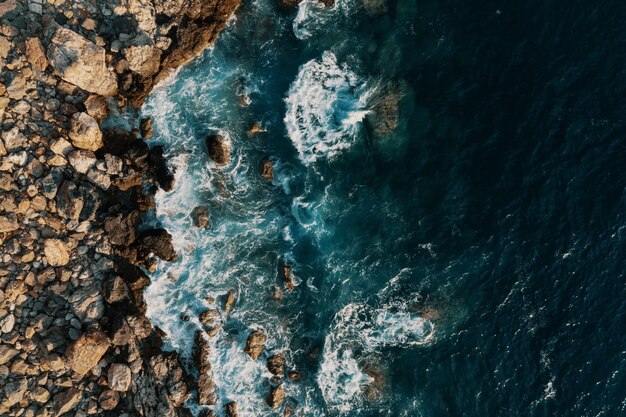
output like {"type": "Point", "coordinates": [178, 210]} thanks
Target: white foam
{"type": "Point", "coordinates": [326, 105]}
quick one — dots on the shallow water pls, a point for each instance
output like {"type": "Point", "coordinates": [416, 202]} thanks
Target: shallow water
{"type": "Point", "coordinates": [465, 259]}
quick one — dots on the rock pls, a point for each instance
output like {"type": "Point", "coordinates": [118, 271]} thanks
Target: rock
{"type": "Point", "coordinates": [16, 88]}
{"type": "Point", "coordinates": [35, 54]}
{"type": "Point", "coordinates": [40, 395]}
{"type": "Point", "coordinates": [86, 351]}
{"type": "Point", "coordinates": [14, 392]}
{"type": "Point", "coordinates": [122, 228]}
{"type": "Point", "coordinates": [218, 149]}
{"type": "Point", "coordinates": [230, 302]}
{"type": "Point", "coordinates": [384, 117]}
{"type": "Point", "coordinates": [160, 169]}
{"type": "Point", "coordinates": [200, 217]}
{"type": "Point", "coordinates": [82, 160]}
{"type": "Point", "coordinates": [96, 106]}
{"type": "Point", "coordinates": [212, 321]}
{"type": "Point", "coordinates": [50, 184]}
{"type": "Point", "coordinates": [119, 377]}
{"type": "Point", "coordinates": [276, 396]}
{"type": "Point", "coordinates": [69, 200]}
{"type": "Point", "coordinates": [56, 252]}
{"type": "Point", "coordinates": [87, 304]}
{"type": "Point", "coordinates": [159, 243]}
{"type": "Point", "coordinates": [7, 7]}
{"type": "Point", "coordinates": [255, 129]}
{"type": "Point", "coordinates": [255, 344]}
{"type": "Point", "coordinates": [288, 277]}
{"type": "Point", "coordinates": [7, 353]}
{"type": "Point", "coordinates": [276, 364]}
{"type": "Point", "coordinates": [116, 290]}
{"type": "Point", "coordinates": [144, 60]}
{"type": "Point", "coordinates": [61, 146]}
{"type": "Point", "coordinates": [8, 223]}
{"type": "Point", "coordinates": [14, 139]}
{"type": "Point", "coordinates": [85, 132]}
{"type": "Point", "coordinates": [7, 323]}
{"type": "Point", "coordinates": [231, 409]}
{"type": "Point", "coordinates": [109, 399]}
{"type": "Point", "coordinates": [293, 376]}
{"type": "Point", "coordinates": [65, 401]}
{"type": "Point", "coordinates": [81, 62]}
{"type": "Point", "coordinates": [145, 127]}
{"type": "Point", "coordinates": [267, 170]}
{"type": "Point", "coordinates": [169, 372]}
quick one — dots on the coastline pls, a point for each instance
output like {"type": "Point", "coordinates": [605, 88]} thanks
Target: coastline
{"type": "Point", "coordinates": [75, 338]}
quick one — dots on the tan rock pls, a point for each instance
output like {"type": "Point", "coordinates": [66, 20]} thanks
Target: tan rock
{"type": "Point", "coordinates": [56, 252]}
{"type": "Point", "coordinates": [85, 132]}
{"type": "Point", "coordinates": [82, 160]}
{"type": "Point", "coordinates": [40, 394]}
{"type": "Point", "coordinates": [7, 6]}
{"type": "Point", "coordinates": [61, 146]}
{"type": "Point", "coordinates": [35, 54]}
{"type": "Point", "coordinates": [143, 59]}
{"type": "Point", "coordinates": [96, 106]}
{"type": "Point", "coordinates": [8, 223]}
{"type": "Point", "coordinates": [109, 399]}
{"type": "Point", "coordinates": [119, 377]}
{"type": "Point", "coordinates": [255, 344]}
{"type": "Point", "coordinates": [5, 46]}
{"type": "Point", "coordinates": [81, 62]}
{"type": "Point", "coordinates": [65, 401]}
{"type": "Point", "coordinates": [276, 396]}
{"type": "Point", "coordinates": [86, 351]}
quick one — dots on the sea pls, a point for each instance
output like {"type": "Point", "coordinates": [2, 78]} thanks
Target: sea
{"type": "Point", "coordinates": [447, 201]}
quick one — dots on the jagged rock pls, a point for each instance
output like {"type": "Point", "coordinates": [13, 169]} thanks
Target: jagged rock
{"type": "Point", "coordinates": [122, 228]}
{"type": "Point", "coordinates": [116, 290]}
{"type": "Point", "coordinates": [255, 344]}
{"type": "Point", "coordinates": [99, 178]}
{"type": "Point", "coordinates": [288, 277]}
{"type": "Point", "coordinates": [218, 149]}
{"type": "Point", "coordinates": [56, 252]}
{"type": "Point", "coordinates": [169, 372]}
{"type": "Point", "coordinates": [276, 396]}
{"type": "Point", "coordinates": [119, 377]}
{"type": "Point", "coordinates": [14, 392]}
{"type": "Point", "coordinates": [61, 146]}
{"type": "Point", "coordinates": [293, 376]}
{"type": "Point", "coordinates": [267, 170]}
{"type": "Point", "coordinates": [87, 304]}
{"type": "Point", "coordinates": [96, 106]}
{"type": "Point", "coordinates": [40, 395]}
{"type": "Point", "coordinates": [35, 54]}
{"type": "Point", "coordinates": [7, 353]}
{"type": "Point", "coordinates": [82, 160]}
{"type": "Point", "coordinates": [231, 409]}
{"type": "Point", "coordinates": [50, 184]}
{"type": "Point", "coordinates": [7, 323]}
{"type": "Point", "coordinates": [85, 132]}
{"type": "Point", "coordinates": [81, 62]}
{"type": "Point", "coordinates": [200, 217]}
{"type": "Point", "coordinates": [145, 127]}
{"type": "Point", "coordinates": [384, 116]}
{"type": "Point", "coordinates": [207, 394]}
{"type": "Point", "coordinates": [159, 243]}
{"type": "Point", "coordinates": [65, 401]}
{"type": "Point", "coordinates": [160, 169]}
{"type": "Point", "coordinates": [109, 399]}
{"type": "Point", "coordinates": [276, 364]}
{"type": "Point", "coordinates": [85, 352]}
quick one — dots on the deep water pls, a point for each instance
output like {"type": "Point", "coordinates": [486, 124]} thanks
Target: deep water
{"type": "Point", "coordinates": [468, 263]}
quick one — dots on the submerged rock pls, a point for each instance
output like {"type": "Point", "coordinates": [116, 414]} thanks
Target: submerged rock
{"type": "Point", "coordinates": [386, 112]}
{"type": "Point", "coordinates": [218, 149]}
{"type": "Point", "coordinates": [255, 344]}
{"type": "Point", "coordinates": [267, 170]}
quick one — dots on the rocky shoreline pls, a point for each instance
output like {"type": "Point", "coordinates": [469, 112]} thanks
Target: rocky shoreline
{"type": "Point", "coordinates": [73, 191]}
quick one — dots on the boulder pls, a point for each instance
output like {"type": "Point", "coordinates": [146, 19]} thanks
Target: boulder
{"type": "Point", "coordinates": [168, 371]}
{"type": "Point", "coordinates": [145, 127]}
{"type": "Point", "coordinates": [160, 169]}
{"type": "Point", "coordinates": [119, 377]}
{"type": "Point", "coordinates": [385, 114]}
{"type": "Point", "coordinates": [86, 351]}
{"type": "Point", "coordinates": [69, 200]}
{"type": "Point", "coordinates": [14, 139]}
{"type": "Point", "coordinates": [8, 223]}
{"type": "Point", "coordinates": [96, 106]}
{"type": "Point", "coordinates": [212, 321]}
{"type": "Point", "coordinates": [276, 364]}
{"type": "Point", "coordinates": [81, 62]}
{"type": "Point", "coordinates": [122, 228]}
{"type": "Point", "coordinates": [85, 132]}
{"type": "Point", "coordinates": [159, 243]}
{"type": "Point", "coordinates": [56, 252]}
{"type": "Point", "coordinates": [255, 344]}
{"type": "Point", "coordinates": [229, 303]}
{"type": "Point", "coordinates": [276, 396]}
{"type": "Point", "coordinates": [109, 399]}
{"type": "Point", "coordinates": [231, 409]}
{"type": "Point", "coordinates": [218, 149]}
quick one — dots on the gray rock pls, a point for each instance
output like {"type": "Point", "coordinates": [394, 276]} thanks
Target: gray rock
{"type": "Point", "coordinates": [87, 304]}
{"type": "Point", "coordinates": [119, 377]}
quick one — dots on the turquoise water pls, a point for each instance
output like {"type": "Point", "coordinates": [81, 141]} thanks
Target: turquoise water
{"type": "Point", "coordinates": [466, 258]}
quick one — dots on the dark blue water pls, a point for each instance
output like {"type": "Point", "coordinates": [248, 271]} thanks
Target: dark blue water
{"type": "Point", "coordinates": [469, 262]}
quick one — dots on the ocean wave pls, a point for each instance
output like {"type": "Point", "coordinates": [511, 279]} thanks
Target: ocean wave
{"type": "Point", "coordinates": [326, 105]}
